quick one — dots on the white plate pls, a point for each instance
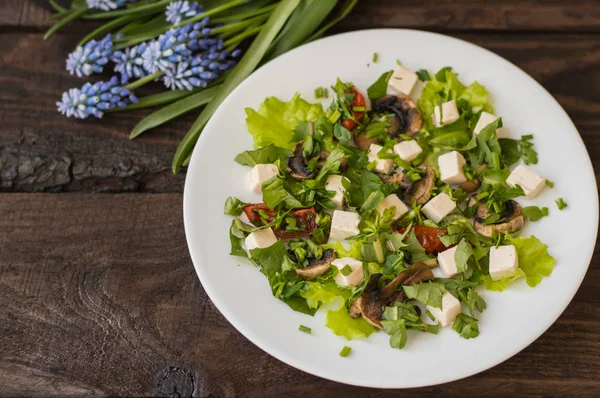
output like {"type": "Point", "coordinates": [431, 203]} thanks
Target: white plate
{"type": "Point", "coordinates": [514, 318]}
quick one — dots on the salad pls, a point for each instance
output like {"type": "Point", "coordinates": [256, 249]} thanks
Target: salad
{"type": "Point", "coordinates": [392, 212]}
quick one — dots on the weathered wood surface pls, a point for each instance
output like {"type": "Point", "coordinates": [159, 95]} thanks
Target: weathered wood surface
{"type": "Point", "coordinates": [99, 296]}
{"type": "Point", "coordinates": [43, 151]}
{"type": "Point", "coordinates": [442, 15]}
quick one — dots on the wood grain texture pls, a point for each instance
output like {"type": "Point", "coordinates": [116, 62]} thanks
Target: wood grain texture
{"type": "Point", "coordinates": [440, 15]}
{"type": "Point", "coordinates": [99, 297]}
{"type": "Point", "coordinates": [41, 150]}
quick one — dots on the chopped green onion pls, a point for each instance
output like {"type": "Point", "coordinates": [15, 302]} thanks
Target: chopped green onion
{"type": "Point", "coordinates": [527, 137]}
{"type": "Point", "coordinates": [430, 315]}
{"type": "Point", "coordinates": [561, 203]}
{"type": "Point", "coordinates": [359, 109]}
{"type": "Point", "coordinates": [321, 92]}
{"type": "Point", "coordinates": [334, 118]}
{"type": "Point", "coordinates": [545, 211]}
{"type": "Point", "coordinates": [346, 270]}
{"type": "Point", "coordinates": [398, 62]}
{"type": "Point", "coordinates": [423, 75]}
{"type": "Point", "coordinates": [549, 184]}
{"type": "Point", "coordinates": [305, 329]}
{"type": "Point", "coordinates": [375, 57]}
{"type": "Point", "coordinates": [345, 351]}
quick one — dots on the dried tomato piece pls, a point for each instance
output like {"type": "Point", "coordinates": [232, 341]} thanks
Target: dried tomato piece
{"type": "Point", "coordinates": [427, 237]}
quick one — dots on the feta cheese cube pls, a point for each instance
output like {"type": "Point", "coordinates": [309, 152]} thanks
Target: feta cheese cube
{"type": "Point", "coordinates": [531, 183]}
{"type": "Point", "coordinates": [383, 166]}
{"type": "Point", "coordinates": [451, 168]}
{"type": "Point", "coordinates": [344, 224]}
{"type": "Point", "coordinates": [260, 239]}
{"type": "Point", "coordinates": [445, 114]}
{"type": "Point", "coordinates": [392, 201]}
{"type": "Point", "coordinates": [449, 311]}
{"type": "Point", "coordinates": [447, 262]}
{"type": "Point", "coordinates": [408, 150]}
{"type": "Point", "coordinates": [504, 262]}
{"type": "Point", "coordinates": [439, 207]}
{"type": "Point", "coordinates": [334, 183]}
{"type": "Point", "coordinates": [259, 174]}
{"type": "Point", "coordinates": [355, 277]}
{"type": "Point", "coordinates": [403, 80]}
{"type": "Point", "coordinates": [487, 118]}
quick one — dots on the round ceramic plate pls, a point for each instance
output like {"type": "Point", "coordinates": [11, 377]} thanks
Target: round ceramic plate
{"type": "Point", "coordinates": [513, 319]}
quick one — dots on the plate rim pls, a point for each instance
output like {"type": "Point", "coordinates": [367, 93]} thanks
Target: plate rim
{"type": "Point", "coordinates": [238, 324]}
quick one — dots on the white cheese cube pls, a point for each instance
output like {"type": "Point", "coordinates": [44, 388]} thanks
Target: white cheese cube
{"type": "Point", "coordinates": [531, 183]}
{"type": "Point", "coordinates": [408, 150]}
{"type": "Point", "coordinates": [403, 80]}
{"type": "Point", "coordinates": [383, 166]}
{"type": "Point", "coordinates": [260, 239]}
{"type": "Point", "coordinates": [445, 114]}
{"type": "Point", "coordinates": [334, 183]}
{"type": "Point", "coordinates": [439, 207]}
{"type": "Point", "coordinates": [487, 118]}
{"type": "Point", "coordinates": [504, 262]}
{"type": "Point", "coordinates": [344, 224]}
{"type": "Point", "coordinates": [447, 262]}
{"type": "Point", "coordinates": [451, 168]}
{"type": "Point", "coordinates": [449, 311]}
{"type": "Point", "coordinates": [259, 174]}
{"type": "Point", "coordinates": [392, 201]}
{"type": "Point", "coordinates": [355, 277]}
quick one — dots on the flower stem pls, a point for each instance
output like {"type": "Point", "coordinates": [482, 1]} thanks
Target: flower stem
{"type": "Point", "coordinates": [239, 25]}
{"type": "Point", "coordinates": [214, 11]}
{"type": "Point", "coordinates": [69, 18]}
{"type": "Point", "coordinates": [129, 11]}
{"type": "Point", "coordinates": [146, 79]}
{"type": "Point", "coordinates": [243, 16]}
{"type": "Point", "coordinates": [106, 28]}
{"type": "Point", "coordinates": [242, 36]}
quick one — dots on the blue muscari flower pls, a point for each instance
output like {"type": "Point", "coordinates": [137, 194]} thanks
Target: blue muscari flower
{"type": "Point", "coordinates": [129, 62]}
{"type": "Point", "coordinates": [179, 10]}
{"type": "Point", "coordinates": [107, 5]}
{"type": "Point", "coordinates": [173, 47]}
{"type": "Point", "coordinates": [90, 58]}
{"type": "Point", "coordinates": [95, 99]}
{"type": "Point", "coordinates": [201, 70]}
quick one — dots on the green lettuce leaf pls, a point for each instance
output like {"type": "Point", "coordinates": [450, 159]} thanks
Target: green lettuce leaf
{"type": "Point", "coordinates": [323, 293]}
{"type": "Point", "coordinates": [275, 120]}
{"type": "Point", "coordinates": [268, 154]}
{"type": "Point", "coordinates": [342, 324]}
{"type": "Point", "coordinates": [502, 284]}
{"type": "Point", "coordinates": [534, 259]}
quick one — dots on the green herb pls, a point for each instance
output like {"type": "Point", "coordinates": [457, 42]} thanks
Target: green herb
{"type": "Point", "coordinates": [463, 253]}
{"type": "Point", "coordinates": [321, 92]}
{"type": "Point", "coordinates": [440, 76]}
{"type": "Point", "coordinates": [399, 318]}
{"type": "Point", "coordinates": [513, 150]}
{"type": "Point", "coordinates": [466, 326]}
{"type": "Point", "coordinates": [534, 213]}
{"type": "Point", "coordinates": [423, 75]}
{"type": "Point", "coordinates": [345, 351]}
{"type": "Point", "coordinates": [429, 293]}
{"type": "Point", "coordinates": [233, 206]}
{"type": "Point", "coordinates": [359, 109]}
{"type": "Point", "coordinates": [375, 57]}
{"type": "Point", "coordinates": [549, 184]}
{"type": "Point", "coordinates": [417, 252]}
{"type": "Point", "coordinates": [379, 88]}
{"type": "Point", "coordinates": [268, 154]}
{"type": "Point", "coordinates": [343, 325]}
{"type": "Point", "coordinates": [561, 203]}
{"type": "Point", "coordinates": [347, 270]}
{"type": "Point", "coordinates": [305, 329]}
{"type": "Point", "coordinates": [236, 239]}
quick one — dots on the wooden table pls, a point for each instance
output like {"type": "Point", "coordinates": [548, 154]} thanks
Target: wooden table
{"type": "Point", "coordinates": [98, 294]}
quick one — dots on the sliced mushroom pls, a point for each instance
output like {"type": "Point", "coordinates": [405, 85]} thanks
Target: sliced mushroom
{"type": "Point", "coordinates": [297, 165]}
{"type": "Point", "coordinates": [399, 178]}
{"type": "Point", "coordinates": [364, 143]}
{"type": "Point", "coordinates": [470, 186]}
{"type": "Point", "coordinates": [512, 215]}
{"type": "Point", "coordinates": [323, 158]}
{"type": "Point", "coordinates": [373, 300]}
{"type": "Point", "coordinates": [316, 266]}
{"type": "Point", "coordinates": [408, 119]}
{"type": "Point", "coordinates": [420, 191]}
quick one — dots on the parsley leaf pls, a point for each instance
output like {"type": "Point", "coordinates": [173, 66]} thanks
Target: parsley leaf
{"type": "Point", "coordinates": [534, 213]}
{"type": "Point", "coordinates": [423, 75]}
{"type": "Point", "coordinates": [268, 154]}
{"type": "Point", "coordinates": [464, 251]}
{"type": "Point", "coordinates": [233, 206]}
{"type": "Point", "coordinates": [379, 88]}
{"type": "Point", "coordinates": [466, 326]}
{"type": "Point", "coordinates": [428, 293]}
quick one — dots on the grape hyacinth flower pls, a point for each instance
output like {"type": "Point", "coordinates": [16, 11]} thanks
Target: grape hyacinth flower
{"type": "Point", "coordinates": [174, 46]}
{"type": "Point", "coordinates": [129, 62]}
{"type": "Point", "coordinates": [95, 99]}
{"type": "Point", "coordinates": [179, 10]}
{"type": "Point", "coordinates": [90, 58]}
{"type": "Point", "coordinates": [201, 70]}
{"type": "Point", "coordinates": [107, 5]}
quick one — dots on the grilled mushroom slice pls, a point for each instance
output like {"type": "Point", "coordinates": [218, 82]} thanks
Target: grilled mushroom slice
{"type": "Point", "coordinates": [408, 119]}
{"type": "Point", "coordinates": [364, 143]}
{"type": "Point", "coordinates": [513, 216]}
{"type": "Point", "coordinates": [420, 191]}
{"type": "Point", "coordinates": [297, 165]}
{"type": "Point", "coordinates": [470, 186]}
{"type": "Point", "coordinates": [399, 178]}
{"type": "Point", "coordinates": [371, 303]}
{"type": "Point", "coordinates": [316, 266]}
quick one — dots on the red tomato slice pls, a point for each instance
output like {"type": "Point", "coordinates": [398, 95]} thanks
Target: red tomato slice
{"type": "Point", "coordinates": [357, 101]}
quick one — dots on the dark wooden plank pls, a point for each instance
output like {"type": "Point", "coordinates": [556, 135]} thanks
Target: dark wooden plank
{"type": "Point", "coordinates": [525, 15]}
{"type": "Point", "coordinates": [44, 151]}
{"type": "Point", "coordinates": [99, 296]}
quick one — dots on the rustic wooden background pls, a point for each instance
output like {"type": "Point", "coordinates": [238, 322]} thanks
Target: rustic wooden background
{"type": "Point", "coordinates": [97, 291]}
